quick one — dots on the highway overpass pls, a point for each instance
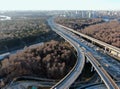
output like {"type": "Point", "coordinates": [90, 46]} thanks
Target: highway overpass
{"type": "Point", "coordinates": [114, 51]}
{"type": "Point", "coordinates": [95, 86]}
{"type": "Point", "coordinates": [109, 82]}
{"type": "Point", "coordinates": [66, 82]}
{"type": "Point", "coordinates": [70, 78]}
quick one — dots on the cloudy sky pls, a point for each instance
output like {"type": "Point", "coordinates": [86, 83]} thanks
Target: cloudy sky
{"type": "Point", "coordinates": [59, 4]}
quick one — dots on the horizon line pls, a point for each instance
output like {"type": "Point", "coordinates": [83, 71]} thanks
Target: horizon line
{"type": "Point", "coordinates": [64, 10]}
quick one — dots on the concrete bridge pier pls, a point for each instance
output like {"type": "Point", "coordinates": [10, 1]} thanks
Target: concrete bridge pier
{"type": "Point", "coordinates": [92, 69]}
{"type": "Point", "coordinates": [87, 61]}
{"type": "Point", "coordinates": [105, 50]}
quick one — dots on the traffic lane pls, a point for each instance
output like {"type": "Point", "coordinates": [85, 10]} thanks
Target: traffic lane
{"type": "Point", "coordinates": [114, 68]}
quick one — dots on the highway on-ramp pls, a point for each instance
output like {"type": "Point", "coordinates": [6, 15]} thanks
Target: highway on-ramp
{"type": "Point", "coordinates": [115, 49]}
{"type": "Point", "coordinates": [109, 82]}
{"type": "Point", "coordinates": [66, 82]}
{"type": "Point", "coordinates": [70, 78]}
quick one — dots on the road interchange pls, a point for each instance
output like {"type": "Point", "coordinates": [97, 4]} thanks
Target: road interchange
{"type": "Point", "coordinates": [109, 82]}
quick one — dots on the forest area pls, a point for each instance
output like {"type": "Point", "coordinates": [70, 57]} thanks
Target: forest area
{"type": "Point", "coordinates": [17, 33]}
{"type": "Point", "coordinates": [108, 32]}
{"type": "Point", "coordinates": [79, 23]}
{"type": "Point", "coordinates": [51, 60]}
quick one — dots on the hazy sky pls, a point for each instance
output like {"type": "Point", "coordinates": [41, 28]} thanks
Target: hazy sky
{"type": "Point", "coordinates": [59, 4]}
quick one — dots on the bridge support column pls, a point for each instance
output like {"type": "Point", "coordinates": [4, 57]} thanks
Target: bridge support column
{"type": "Point", "coordinates": [92, 42]}
{"type": "Point", "coordinates": [105, 50]}
{"type": "Point", "coordinates": [118, 54]}
{"type": "Point", "coordinates": [87, 61]}
{"type": "Point", "coordinates": [101, 80]}
{"type": "Point", "coordinates": [80, 36]}
{"type": "Point", "coordinates": [92, 69]}
{"type": "Point", "coordinates": [109, 50]}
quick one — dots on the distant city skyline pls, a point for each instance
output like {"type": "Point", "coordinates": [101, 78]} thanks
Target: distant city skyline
{"type": "Point", "coordinates": [59, 4]}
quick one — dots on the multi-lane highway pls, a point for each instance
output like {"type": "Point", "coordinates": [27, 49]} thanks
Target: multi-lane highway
{"type": "Point", "coordinates": [112, 49]}
{"type": "Point", "coordinates": [109, 82]}
{"type": "Point", "coordinates": [110, 64]}
{"type": "Point", "coordinates": [95, 86]}
{"type": "Point", "coordinates": [66, 82]}
{"type": "Point", "coordinates": [70, 78]}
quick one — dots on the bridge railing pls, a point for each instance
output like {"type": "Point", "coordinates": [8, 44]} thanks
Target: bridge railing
{"type": "Point", "coordinates": [74, 68]}
{"type": "Point", "coordinates": [109, 82]}
{"type": "Point", "coordinates": [114, 51]}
